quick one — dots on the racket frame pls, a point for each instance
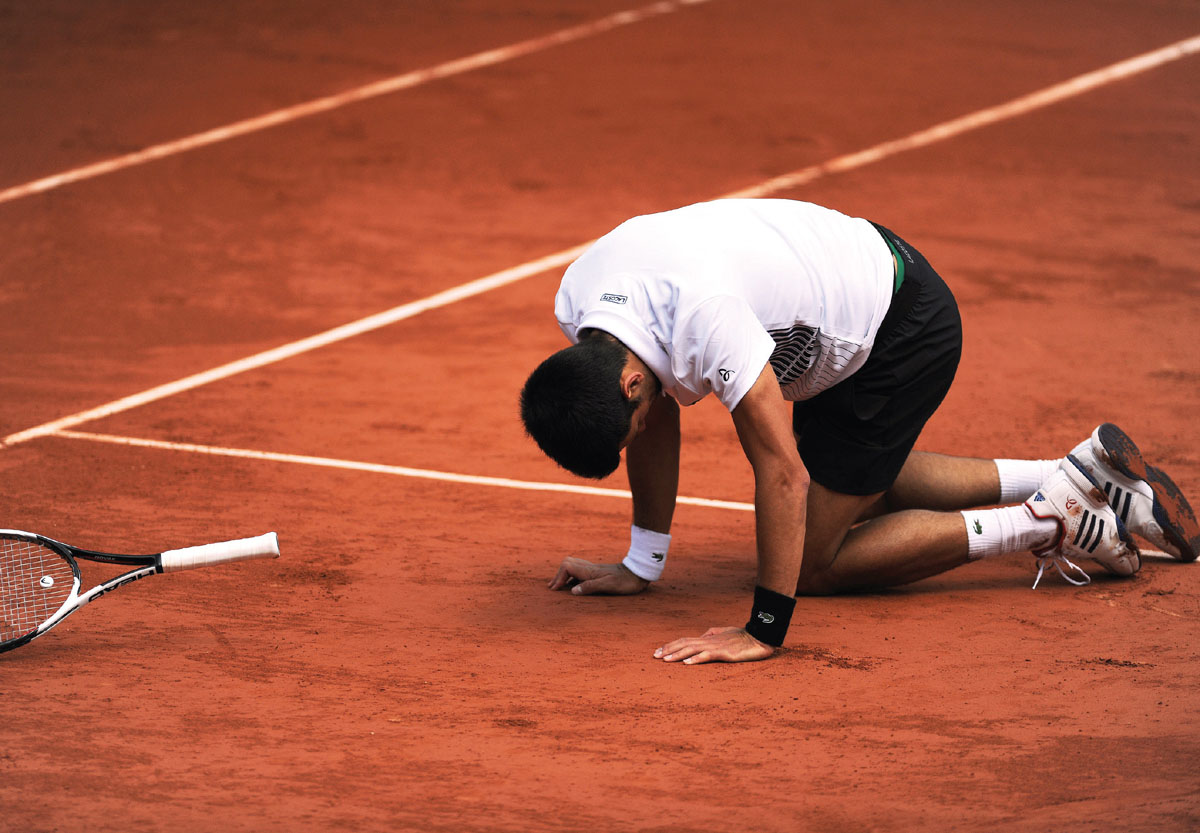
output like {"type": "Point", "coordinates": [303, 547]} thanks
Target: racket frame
{"type": "Point", "coordinates": [145, 565]}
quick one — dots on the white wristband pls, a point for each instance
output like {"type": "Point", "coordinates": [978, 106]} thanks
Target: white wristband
{"type": "Point", "coordinates": [647, 553]}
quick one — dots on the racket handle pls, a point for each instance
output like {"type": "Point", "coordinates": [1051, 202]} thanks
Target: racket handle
{"type": "Point", "coordinates": [264, 546]}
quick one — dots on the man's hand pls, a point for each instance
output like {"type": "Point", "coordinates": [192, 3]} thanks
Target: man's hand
{"type": "Point", "coordinates": [585, 578]}
{"type": "Point", "coordinates": [717, 645]}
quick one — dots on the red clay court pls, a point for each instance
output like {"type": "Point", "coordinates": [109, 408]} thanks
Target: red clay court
{"type": "Point", "coordinates": [184, 188]}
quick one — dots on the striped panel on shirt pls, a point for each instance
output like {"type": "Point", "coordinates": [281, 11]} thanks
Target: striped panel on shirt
{"type": "Point", "coordinates": [807, 361]}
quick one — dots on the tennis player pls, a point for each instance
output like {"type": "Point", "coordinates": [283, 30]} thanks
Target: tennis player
{"type": "Point", "coordinates": [831, 341]}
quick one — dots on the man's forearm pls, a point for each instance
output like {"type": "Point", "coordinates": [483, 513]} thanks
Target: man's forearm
{"type": "Point", "coordinates": [780, 504]}
{"type": "Point", "coordinates": [764, 426]}
{"type": "Point", "coordinates": [652, 462]}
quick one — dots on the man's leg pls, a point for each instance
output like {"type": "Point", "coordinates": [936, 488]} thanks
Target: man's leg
{"type": "Point", "coordinates": [899, 543]}
{"type": "Point", "coordinates": [841, 554]}
{"type": "Point", "coordinates": [924, 536]}
{"type": "Point", "coordinates": [1144, 496]}
{"type": "Point", "coordinates": [940, 482]}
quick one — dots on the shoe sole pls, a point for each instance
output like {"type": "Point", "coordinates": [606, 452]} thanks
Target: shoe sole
{"type": "Point", "coordinates": [1172, 511]}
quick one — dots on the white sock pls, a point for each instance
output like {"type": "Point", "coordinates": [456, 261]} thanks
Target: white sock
{"type": "Point", "coordinates": [1020, 478]}
{"type": "Point", "coordinates": [1005, 530]}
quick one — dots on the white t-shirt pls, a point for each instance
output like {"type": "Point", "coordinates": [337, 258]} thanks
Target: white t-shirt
{"type": "Point", "coordinates": [706, 295]}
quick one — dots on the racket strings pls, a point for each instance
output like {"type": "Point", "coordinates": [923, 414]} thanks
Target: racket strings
{"type": "Point", "coordinates": [34, 583]}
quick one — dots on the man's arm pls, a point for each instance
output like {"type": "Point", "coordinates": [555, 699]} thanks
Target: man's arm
{"type": "Point", "coordinates": [764, 427]}
{"type": "Point", "coordinates": [652, 462]}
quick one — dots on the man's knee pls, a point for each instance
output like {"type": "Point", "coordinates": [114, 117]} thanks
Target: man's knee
{"type": "Point", "coordinates": [818, 582]}
{"type": "Point", "coordinates": [831, 516]}
{"type": "Point", "coordinates": [818, 572]}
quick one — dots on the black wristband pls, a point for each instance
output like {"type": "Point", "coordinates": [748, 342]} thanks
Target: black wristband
{"type": "Point", "coordinates": [770, 617]}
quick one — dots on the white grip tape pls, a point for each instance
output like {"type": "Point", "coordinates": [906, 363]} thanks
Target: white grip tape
{"type": "Point", "coordinates": [263, 546]}
{"type": "Point", "coordinates": [647, 553]}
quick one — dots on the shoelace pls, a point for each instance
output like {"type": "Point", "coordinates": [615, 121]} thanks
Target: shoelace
{"type": "Point", "coordinates": [1057, 561]}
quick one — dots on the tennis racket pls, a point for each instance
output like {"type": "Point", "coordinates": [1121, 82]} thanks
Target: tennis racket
{"type": "Point", "coordinates": [39, 577]}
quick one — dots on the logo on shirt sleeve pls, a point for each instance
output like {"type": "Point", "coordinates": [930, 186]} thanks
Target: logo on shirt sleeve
{"type": "Point", "coordinates": [725, 373]}
{"type": "Point", "coordinates": [613, 299]}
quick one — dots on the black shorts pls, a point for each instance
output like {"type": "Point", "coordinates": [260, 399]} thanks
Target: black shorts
{"type": "Point", "coordinates": [855, 436]}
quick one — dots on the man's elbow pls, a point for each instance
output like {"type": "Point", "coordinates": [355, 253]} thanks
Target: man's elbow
{"type": "Point", "coordinates": [799, 479]}
{"type": "Point", "coordinates": [788, 476]}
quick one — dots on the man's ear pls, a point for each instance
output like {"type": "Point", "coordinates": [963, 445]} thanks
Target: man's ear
{"type": "Point", "coordinates": [633, 380]}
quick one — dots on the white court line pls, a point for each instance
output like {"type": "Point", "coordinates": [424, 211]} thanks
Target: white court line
{"type": "Point", "coordinates": [427, 474]}
{"type": "Point", "coordinates": [377, 468]}
{"type": "Point", "coordinates": [397, 83]}
{"type": "Point", "coordinates": [363, 325]}
{"type": "Point", "coordinates": [981, 118]}
{"type": "Point", "coordinates": [945, 130]}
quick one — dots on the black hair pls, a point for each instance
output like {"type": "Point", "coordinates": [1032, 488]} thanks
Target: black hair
{"type": "Point", "coordinates": [573, 407]}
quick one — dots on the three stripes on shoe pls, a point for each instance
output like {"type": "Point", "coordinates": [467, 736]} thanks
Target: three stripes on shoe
{"type": "Point", "coordinates": [1094, 526]}
{"type": "Point", "coordinates": [1091, 528]}
{"type": "Point", "coordinates": [1114, 500]}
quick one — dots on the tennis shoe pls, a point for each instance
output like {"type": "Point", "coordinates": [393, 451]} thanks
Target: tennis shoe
{"type": "Point", "coordinates": [1144, 497]}
{"type": "Point", "coordinates": [1087, 526]}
